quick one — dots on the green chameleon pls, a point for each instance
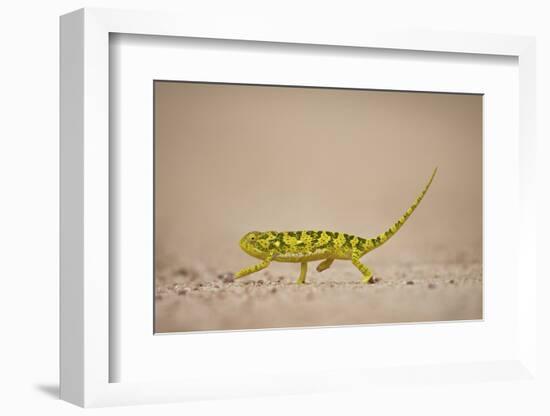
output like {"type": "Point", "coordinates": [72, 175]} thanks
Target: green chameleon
{"type": "Point", "coordinates": [305, 246]}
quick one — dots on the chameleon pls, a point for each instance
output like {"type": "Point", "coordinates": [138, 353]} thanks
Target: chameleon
{"type": "Point", "coordinates": [306, 246]}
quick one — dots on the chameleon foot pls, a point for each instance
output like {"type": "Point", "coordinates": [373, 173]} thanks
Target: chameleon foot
{"type": "Point", "coordinates": [325, 265]}
{"type": "Point", "coordinates": [256, 268]}
{"type": "Point", "coordinates": [372, 280]}
{"type": "Point", "coordinates": [365, 271]}
{"type": "Point", "coordinates": [368, 279]}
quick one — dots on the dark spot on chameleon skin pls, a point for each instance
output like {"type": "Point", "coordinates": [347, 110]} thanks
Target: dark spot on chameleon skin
{"type": "Point", "coordinates": [357, 244]}
{"type": "Point", "coordinates": [282, 245]}
{"type": "Point", "coordinates": [348, 240]}
{"type": "Point", "coordinates": [316, 238]}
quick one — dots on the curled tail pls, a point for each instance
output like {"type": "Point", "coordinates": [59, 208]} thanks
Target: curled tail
{"type": "Point", "coordinates": [385, 236]}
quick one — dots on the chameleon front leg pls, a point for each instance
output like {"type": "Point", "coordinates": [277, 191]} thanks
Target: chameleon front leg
{"type": "Point", "coordinates": [325, 264]}
{"type": "Point", "coordinates": [253, 269]}
{"type": "Point", "coordinates": [303, 271]}
{"type": "Point", "coordinates": [367, 274]}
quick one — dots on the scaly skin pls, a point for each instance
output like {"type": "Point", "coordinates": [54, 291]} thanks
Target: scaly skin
{"type": "Point", "coordinates": [305, 246]}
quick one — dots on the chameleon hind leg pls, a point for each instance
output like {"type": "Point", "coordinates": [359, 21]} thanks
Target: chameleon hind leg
{"type": "Point", "coordinates": [253, 269]}
{"type": "Point", "coordinates": [325, 265]}
{"type": "Point", "coordinates": [303, 271]}
{"type": "Point", "coordinates": [365, 271]}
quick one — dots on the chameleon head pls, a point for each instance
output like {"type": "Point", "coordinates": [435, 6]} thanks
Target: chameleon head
{"type": "Point", "coordinates": [254, 243]}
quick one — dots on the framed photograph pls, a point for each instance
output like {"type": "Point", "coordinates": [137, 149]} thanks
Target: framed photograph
{"type": "Point", "coordinates": [272, 211]}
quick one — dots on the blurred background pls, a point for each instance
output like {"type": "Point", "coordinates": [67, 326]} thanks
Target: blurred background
{"type": "Point", "coordinates": [236, 158]}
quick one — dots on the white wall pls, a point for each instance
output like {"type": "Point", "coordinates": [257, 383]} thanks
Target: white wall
{"type": "Point", "coordinates": [29, 185]}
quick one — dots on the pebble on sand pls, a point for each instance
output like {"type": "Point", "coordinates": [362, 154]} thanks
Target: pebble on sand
{"type": "Point", "coordinates": [182, 271]}
{"type": "Point", "coordinates": [183, 291]}
{"type": "Point", "coordinates": [227, 277]}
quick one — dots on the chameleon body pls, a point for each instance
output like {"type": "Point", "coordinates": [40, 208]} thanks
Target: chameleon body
{"type": "Point", "coordinates": [305, 246]}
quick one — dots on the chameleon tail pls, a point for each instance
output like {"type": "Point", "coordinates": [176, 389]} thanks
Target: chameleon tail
{"type": "Point", "coordinates": [385, 236]}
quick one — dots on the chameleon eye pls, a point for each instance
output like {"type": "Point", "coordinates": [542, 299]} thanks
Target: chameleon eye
{"type": "Point", "coordinates": [252, 237]}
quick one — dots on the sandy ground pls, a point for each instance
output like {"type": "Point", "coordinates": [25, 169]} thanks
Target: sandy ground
{"type": "Point", "coordinates": [194, 299]}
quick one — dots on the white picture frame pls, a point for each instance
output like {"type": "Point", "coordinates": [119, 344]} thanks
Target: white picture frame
{"type": "Point", "coordinates": [86, 356]}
